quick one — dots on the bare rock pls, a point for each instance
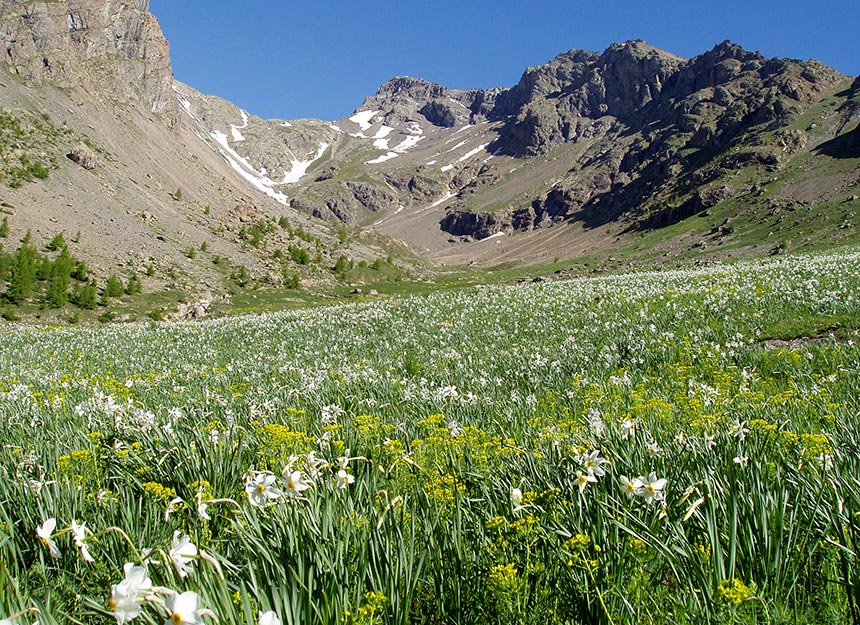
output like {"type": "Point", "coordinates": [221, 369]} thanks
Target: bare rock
{"type": "Point", "coordinates": [113, 47]}
{"type": "Point", "coordinates": [83, 155]}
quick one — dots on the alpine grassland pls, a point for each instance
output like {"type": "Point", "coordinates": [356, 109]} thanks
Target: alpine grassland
{"type": "Point", "coordinates": [662, 447]}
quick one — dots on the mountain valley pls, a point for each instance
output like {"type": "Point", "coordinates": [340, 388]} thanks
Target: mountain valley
{"type": "Point", "coordinates": [592, 162]}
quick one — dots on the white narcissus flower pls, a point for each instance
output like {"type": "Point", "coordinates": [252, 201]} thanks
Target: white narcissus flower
{"type": "Point", "coordinates": [343, 461]}
{"type": "Point", "coordinates": [43, 532]}
{"type": "Point", "coordinates": [739, 429]}
{"type": "Point", "coordinates": [260, 489]}
{"type": "Point", "coordinates": [594, 464]}
{"type": "Point", "coordinates": [296, 483]}
{"type": "Point", "coordinates": [183, 609]}
{"type": "Point", "coordinates": [583, 480]}
{"type": "Point", "coordinates": [516, 497]}
{"type": "Point", "coordinates": [344, 479]}
{"type": "Point", "coordinates": [628, 429]}
{"type": "Point", "coordinates": [126, 597]}
{"type": "Point", "coordinates": [652, 488]}
{"type": "Point", "coordinates": [79, 531]}
{"type": "Point", "coordinates": [201, 506]}
{"type": "Point", "coordinates": [631, 487]}
{"type": "Point", "coordinates": [268, 618]}
{"type": "Point", "coordinates": [182, 553]}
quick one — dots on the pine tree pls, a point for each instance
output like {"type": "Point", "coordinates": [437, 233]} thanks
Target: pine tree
{"type": "Point", "coordinates": [134, 286]}
{"type": "Point", "coordinates": [57, 294]}
{"type": "Point", "coordinates": [113, 287]}
{"type": "Point", "coordinates": [23, 273]}
{"type": "Point", "coordinates": [58, 242]}
{"type": "Point", "coordinates": [86, 296]}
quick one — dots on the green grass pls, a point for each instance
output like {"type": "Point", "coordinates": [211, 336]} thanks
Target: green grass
{"type": "Point", "coordinates": [466, 453]}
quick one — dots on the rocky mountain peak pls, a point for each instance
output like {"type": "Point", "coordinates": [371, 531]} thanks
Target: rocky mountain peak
{"type": "Point", "coordinates": [403, 98]}
{"type": "Point", "coordinates": [113, 48]}
{"type": "Point", "coordinates": [407, 87]}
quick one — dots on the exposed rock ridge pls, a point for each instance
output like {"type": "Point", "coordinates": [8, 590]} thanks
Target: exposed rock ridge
{"type": "Point", "coordinates": [404, 97]}
{"type": "Point", "coordinates": [657, 123]}
{"type": "Point", "coordinates": [113, 48]}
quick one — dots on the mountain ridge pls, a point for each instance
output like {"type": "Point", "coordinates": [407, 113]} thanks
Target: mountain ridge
{"type": "Point", "coordinates": [584, 155]}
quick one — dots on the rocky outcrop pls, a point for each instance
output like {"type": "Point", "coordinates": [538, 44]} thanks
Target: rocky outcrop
{"type": "Point", "coordinates": [423, 185]}
{"type": "Point", "coordinates": [347, 202]}
{"type": "Point", "coordinates": [548, 105]}
{"type": "Point", "coordinates": [404, 97]}
{"type": "Point", "coordinates": [111, 47]}
{"type": "Point", "coordinates": [83, 155]}
{"type": "Point", "coordinates": [712, 97]}
{"type": "Point", "coordinates": [477, 225]}
{"type": "Point", "coordinates": [440, 113]}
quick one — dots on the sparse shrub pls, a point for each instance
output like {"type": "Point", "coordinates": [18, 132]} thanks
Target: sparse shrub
{"type": "Point", "coordinates": [292, 280]}
{"type": "Point", "coordinates": [57, 243]}
{"type": "Point", "coordinates": [342, 266]}
{"type": "Point", "coordinates": [113, 287]}
{"type": "Point", "coordinates": [240, 276]}
{"type": "Point", "coordinates": [299, 254]}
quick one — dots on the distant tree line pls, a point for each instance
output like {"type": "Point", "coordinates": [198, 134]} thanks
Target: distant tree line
{"type": "Point", "coordinates": [53, 279]}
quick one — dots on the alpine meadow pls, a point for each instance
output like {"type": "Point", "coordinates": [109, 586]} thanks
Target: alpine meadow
{"type": "Point", "coordinates": [579, 350]}
{"type": "Point", "coordinates": [652, 447]}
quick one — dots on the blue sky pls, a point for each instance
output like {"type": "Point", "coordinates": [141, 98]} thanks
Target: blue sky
{"type": "Point", "coordinates": [288, 59]}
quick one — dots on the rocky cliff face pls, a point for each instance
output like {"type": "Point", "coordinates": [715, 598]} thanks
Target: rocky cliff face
{"type": "Point", "coordinates": [714, 95]}
{"type": "Point", "coordinates": [653, 127]}
{"type": "Point", "coordinates": [114, 48]}
{"type": "Point", "coordinates": [404, 97]}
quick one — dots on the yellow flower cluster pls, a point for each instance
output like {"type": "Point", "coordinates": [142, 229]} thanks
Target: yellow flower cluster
{"type": "Point", "coordinates": [735, 591]}
{"type": "Point", "coordinates": [159, 491]}
{"type": "Point", "coordinates": [370, 611]}
{"type": "Point", "coordinates": [504, 574]}
{"type": "Point", "coordinates": [279, 442]}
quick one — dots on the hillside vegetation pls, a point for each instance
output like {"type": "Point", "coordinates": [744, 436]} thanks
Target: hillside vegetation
{"type": "Point", "coordinates": [669, 447]}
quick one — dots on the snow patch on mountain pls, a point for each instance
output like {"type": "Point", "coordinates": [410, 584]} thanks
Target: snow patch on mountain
{"type": "Point", "coordinates": [235, 131]}
{"type": "Point", "coordinates": [416, 134]}
{"type": "Point", "coordinates": [472, 153]}
{"type": "Point", "coordinates": [300, 168]}
{"type": "Point", "coordinates": [363, 119]}
{"type": "Point", "coordinates": [380, 141]}
{"type": "Point", "coordinates": [241, 165]}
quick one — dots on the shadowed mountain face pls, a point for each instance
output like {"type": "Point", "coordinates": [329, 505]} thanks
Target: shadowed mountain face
{"type": "Point", "coordinates": [632, 139]}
